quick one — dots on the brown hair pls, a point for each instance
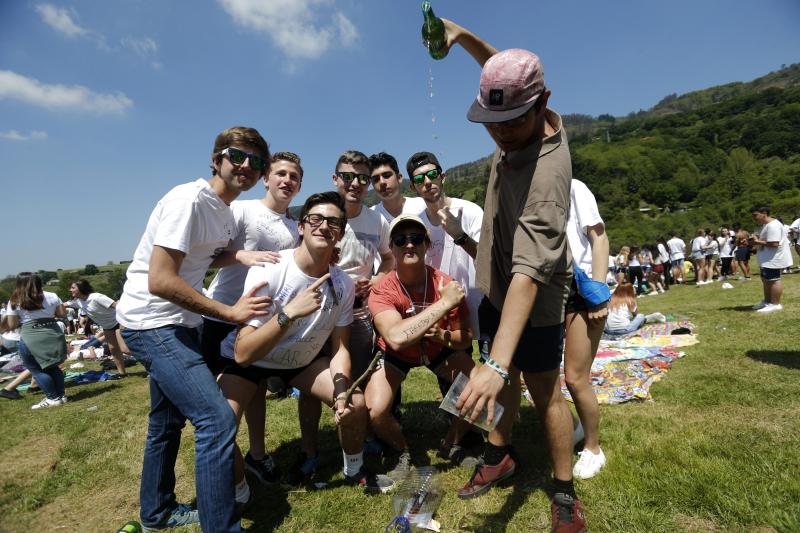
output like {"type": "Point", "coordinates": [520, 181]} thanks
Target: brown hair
{"type": "Point", "coordinates": [291, 157]}
{"type": "Point", "coordinates": [28, 293]}
{"type": "Point", "coordinates": [352, 157]}
{"type": "Point", "coordinates": [623, 296]}
{"type": "Point", "coordinates": [243, 136]}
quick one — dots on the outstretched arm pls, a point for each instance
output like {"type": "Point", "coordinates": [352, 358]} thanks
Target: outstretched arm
{"type": "Point", "coordinates": [474, 45]}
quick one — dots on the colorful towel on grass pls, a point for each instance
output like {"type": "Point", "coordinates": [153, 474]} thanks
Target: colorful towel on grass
{"type": "Point", "coordinates": [626, 368]}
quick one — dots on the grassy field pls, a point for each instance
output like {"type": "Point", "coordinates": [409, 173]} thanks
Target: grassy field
{"type": "Point", "coordinates": [718, 449]}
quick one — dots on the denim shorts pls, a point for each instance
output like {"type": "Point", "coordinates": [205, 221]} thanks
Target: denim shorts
{"type": "Point", "coordinates": [539, 348]}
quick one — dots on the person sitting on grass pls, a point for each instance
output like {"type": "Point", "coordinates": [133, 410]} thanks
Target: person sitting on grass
{"type": "Point", "coordinates": [421, 319]}
{"type": "Point", "coordinates": [312, 301]}
{"type": "Point", "coordinates": [622, 312]}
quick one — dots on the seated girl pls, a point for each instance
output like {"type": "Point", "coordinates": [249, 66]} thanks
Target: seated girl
{"type": "Point", "coordinates": [622, 315]}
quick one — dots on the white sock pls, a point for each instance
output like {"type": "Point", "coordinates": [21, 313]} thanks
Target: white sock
{"type": "Point", "coordinates": [353, 463]}
{"type": "Point", "coordinates": [242, 492]}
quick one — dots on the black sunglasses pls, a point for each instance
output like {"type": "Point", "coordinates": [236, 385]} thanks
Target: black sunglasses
{"type": "Point", "coordinates": [238, 157]}
{"type": "Point", "coordinates": [415, 238]}
{"type": "Point", "coordinates": [316, 220]}
{"type": "Point", "coordinates": [432, 174]}
{"type": "Point", "coordinates": [348, 177]}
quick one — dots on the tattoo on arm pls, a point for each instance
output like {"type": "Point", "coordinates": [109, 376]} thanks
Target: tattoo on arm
{"type": "Point", "coordinates": [425, 320]}
{"type": "Point", "coordinates": [193, 304]}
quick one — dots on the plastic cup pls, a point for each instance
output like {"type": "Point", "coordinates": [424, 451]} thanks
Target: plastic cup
{"type": "Point", "coordinates": [449, 404]}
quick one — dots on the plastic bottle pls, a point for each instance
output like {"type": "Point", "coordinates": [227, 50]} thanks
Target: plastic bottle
{"type": "Point", "coordinates": [433, 34]}
{"type": "Point", "coordinates": [416, 500]}
{"type": "Point", "coordinates": [130, 527]}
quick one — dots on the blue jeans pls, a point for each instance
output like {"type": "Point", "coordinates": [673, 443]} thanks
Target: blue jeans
{"type": "Point", "coordinates": [51, 380]}
{"type": "Point", "coordinates": [181, 387]}
{"type": "Point", "coordinates": [635, 324]}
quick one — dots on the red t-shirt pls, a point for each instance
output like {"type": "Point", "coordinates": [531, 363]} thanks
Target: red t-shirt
{"type": "Point", "coordinates": [389, 294]}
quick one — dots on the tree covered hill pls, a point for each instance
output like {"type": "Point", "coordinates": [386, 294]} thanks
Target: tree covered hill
{"type": "Point", "coordinates": [696, 160]}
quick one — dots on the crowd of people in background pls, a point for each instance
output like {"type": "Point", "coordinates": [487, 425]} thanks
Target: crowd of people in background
{"type": "Point", "coordinates": [713, 256]}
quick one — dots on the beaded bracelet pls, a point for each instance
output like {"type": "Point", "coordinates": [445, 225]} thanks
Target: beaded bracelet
{"type": "Point", "coordinates": [494, 365]}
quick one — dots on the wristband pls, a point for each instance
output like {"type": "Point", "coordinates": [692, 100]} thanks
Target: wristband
{"type": "Point", "coordinates": [494, 365]}
{"type": "Point", "coordinates": [461, 239]}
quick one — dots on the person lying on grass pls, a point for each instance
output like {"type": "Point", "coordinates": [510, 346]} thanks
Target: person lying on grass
{"type": "Point", "coordinates": [421, 319]}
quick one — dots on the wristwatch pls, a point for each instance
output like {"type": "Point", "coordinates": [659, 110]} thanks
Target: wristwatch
{"type": "Point", "coordinates": [461, 239]}
{"type": "Point", "coordinates": [283, 319]}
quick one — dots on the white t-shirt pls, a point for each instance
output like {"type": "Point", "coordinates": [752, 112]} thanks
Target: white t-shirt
{"type": "Point", "coordinates": [98, 307]}
{"type": "Point", "coordinates": [50, 301]}
{"type": "Point", "coordinates": [725, 246]}
{"type": "Point", "coordinates": [698, 243]}
{"type": "Point", "coordinates": [663, 253]}
{"type": "Point", "coordinates": [780, 257]}
{"type": "Point", "coordinates": [305, 336]}
{"type": "Point", "coordinates": [619, 317]}
{"type": "Point", "coordinates": [796, 227]}
{"type": "Point", "coordinates": [193, 219]}
{"type": "Point", "coordinates": [257, 228]}
{"type": "Point", "coordinates": [711, 247]}
{"type": "Point", "coordinates": [583, 213]}
{"type": "Point", "coordinates": [452, 259]}
{"type": "Point", "coordinates": [677, 248]}
{"type": "Point", "coordinates": [412, 206]}
{"type": "Point", "coordinates": [365, 238]}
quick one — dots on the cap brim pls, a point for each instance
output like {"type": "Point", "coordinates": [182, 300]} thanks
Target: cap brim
{"type": "Point", "coordinates": [478, 113]}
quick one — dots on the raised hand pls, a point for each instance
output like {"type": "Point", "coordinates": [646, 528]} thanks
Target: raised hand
{"type": "Point", "coordinates": [308, 300]}
{"type": "Point", "coordinates": [250, 305]}
{"type": "Point", "coordinates": [451, 222]}
{"type": "Point", "coordinates": [452, 293]}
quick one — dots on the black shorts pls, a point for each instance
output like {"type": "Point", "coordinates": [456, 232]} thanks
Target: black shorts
{"type": "Point", "coordinates": [770, 274]}
{"type": "Point", "coordinates": [539, 348]}
{"type": "Point", "coordinates": [405, 367]}
{"type": "Point", "coordinates": [214, 332]}
{"type": "Point", "coordinates": [742, 255]}
{"type": "Point", "coordinates": [115, 328]}
{"type": "Point", "coordinates": [575, 302]}
{"type": "Point", "coordinates": [255, 374]}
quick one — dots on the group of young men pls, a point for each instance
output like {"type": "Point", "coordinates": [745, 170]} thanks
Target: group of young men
{"type": "Point", "coordinates": [311, 301]}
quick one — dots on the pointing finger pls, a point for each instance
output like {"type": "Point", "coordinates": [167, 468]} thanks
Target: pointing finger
{"type": "Point", "coordinates": [316, 285]}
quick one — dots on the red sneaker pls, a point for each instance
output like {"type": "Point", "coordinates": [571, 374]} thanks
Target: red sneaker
{"type": "Point", "coordinates": [567, 514]}
{"type": "Point", "coordinates": [485, 476]}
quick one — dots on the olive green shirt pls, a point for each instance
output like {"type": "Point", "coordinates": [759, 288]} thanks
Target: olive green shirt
{"type": "Point", "coordinates": [525, 225]}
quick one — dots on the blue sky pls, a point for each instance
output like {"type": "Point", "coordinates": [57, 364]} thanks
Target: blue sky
{"type": "Point", "coordinates": [105, 106]}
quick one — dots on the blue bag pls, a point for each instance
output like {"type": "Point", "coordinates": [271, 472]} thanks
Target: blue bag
{"type": "Point", "coordinates": [594, 292]}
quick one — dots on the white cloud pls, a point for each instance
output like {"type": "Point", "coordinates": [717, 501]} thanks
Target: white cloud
{"type": "Point", "coordinates": [61, 20]}
{"type": "Point", "coordinates": [292, 25]}
{"type": "Point", "coordinates": [14, 135]}
{"type": "Point", "coordinates": [15, 86]}
{"type": "Point", "coordinates": [146, 48]}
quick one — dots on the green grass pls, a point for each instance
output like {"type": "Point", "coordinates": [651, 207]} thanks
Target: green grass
{"type": "Point", "coordinates": [716, 451]}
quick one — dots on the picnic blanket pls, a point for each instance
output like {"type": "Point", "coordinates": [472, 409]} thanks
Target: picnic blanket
{"type": "Point", "coordinates": [626, 367]}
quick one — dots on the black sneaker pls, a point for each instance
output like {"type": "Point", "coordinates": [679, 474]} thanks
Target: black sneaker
{"type": "Point", "coordinates": [264, 470]}
{"type": "Point", "coordinates": [303, 470]}
{"type": "Point", "coordinates": [372, 483]}
{"type": "Point", "coordinates": [10, 394]}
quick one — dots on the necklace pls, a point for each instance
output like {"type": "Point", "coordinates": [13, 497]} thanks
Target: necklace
{"type": "Point", "coordinates": [412, 311]}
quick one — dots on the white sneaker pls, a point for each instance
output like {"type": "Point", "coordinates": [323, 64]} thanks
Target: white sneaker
{"type": "Point", "coordinates": [589, 464]}
{"type": "Point", "coordinates": [760, 305]}
{"type": "Point", "coordinates": [769, 308]}
{"type": "Point", "coordinates": [63, 399]}
{"type": "Point", "coordinates": [45, 403]}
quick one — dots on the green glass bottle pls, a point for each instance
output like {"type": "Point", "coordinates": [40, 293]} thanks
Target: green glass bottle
{"type": "Point", "coordinates": [433, 34]}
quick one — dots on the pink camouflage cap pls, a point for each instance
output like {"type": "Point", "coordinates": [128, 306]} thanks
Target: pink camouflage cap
{"type": "Point", "coordinates": [511, 82]}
